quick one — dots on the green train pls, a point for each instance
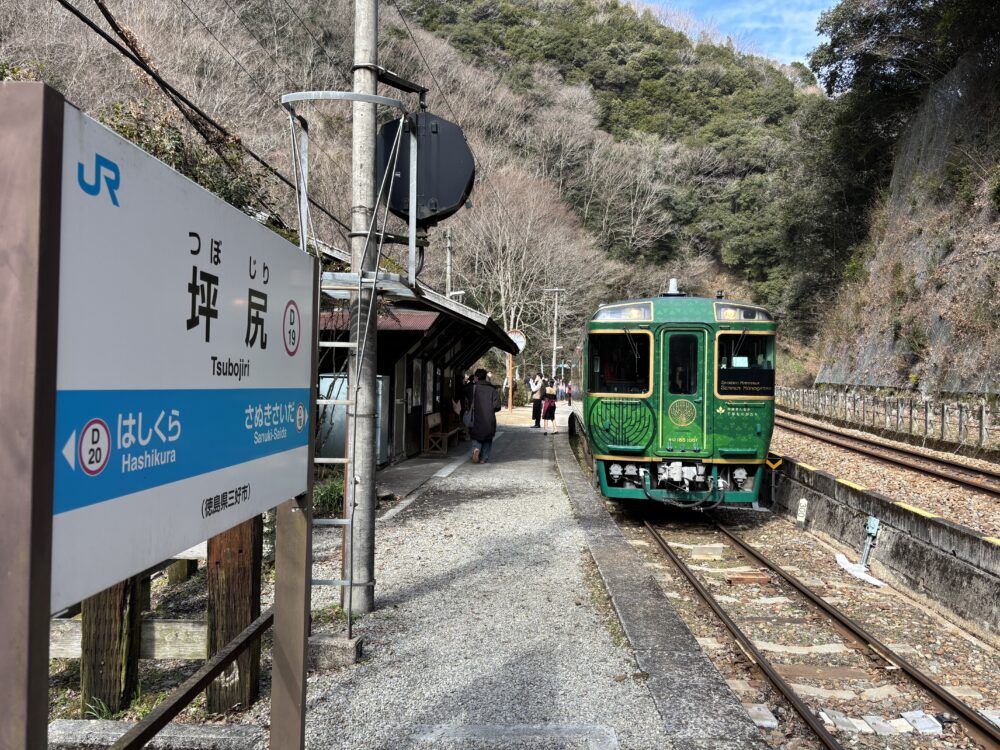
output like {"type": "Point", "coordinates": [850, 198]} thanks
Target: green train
{"type": "Point", "coordinates": [679, 399]}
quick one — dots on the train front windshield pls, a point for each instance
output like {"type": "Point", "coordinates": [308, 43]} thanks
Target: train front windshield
{"type": "Point", "coordinates": [745, 365]}
{"type": "Point", "coordinates": [619, 362]}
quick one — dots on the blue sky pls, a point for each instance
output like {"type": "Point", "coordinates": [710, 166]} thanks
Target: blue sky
{"type": "Point", "coordinates": [781, 29]}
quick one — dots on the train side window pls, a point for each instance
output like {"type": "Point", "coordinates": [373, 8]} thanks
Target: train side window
{"type": "Point", "coordinates": [683, 364]}
{"type": "Point", "coordinates": [619, 362]}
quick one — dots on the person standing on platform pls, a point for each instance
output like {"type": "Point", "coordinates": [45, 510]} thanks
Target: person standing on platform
{"type": "Point", "coordinates": [549, 407]}
{"type": "Point", "coordinates": [484, 403]}
{"type": "Point", "coordinates": [536, 385]}
{"type": "Point", "coordinates": [569, 393]}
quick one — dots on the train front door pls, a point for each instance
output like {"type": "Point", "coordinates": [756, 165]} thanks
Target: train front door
{"type": "Point", "coordinates": [683, 417]}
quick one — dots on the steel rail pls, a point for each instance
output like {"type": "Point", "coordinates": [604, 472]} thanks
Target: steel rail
{"type": "Point", "coordinates": [748, 646]}
{"type": "Point", "coordinates": [978, 725]}
{"type": "Point", "coordinates": [897, 448]}
{"type": "Point", "coordinates": [884, 452]}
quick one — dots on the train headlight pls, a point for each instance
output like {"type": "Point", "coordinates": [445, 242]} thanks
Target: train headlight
{"type": "Point", "coordinates": [739, 477]}
{"type": "Point", "coordinates": [615, 472]}
{"type": "Point", "coordinates": [631, 471]}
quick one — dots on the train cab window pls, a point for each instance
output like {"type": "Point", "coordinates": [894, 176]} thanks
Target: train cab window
{"type": "Point", "coordinates": [619, 362]}
{"type": "Point", "coordinates": [745, 365]}
{"type": "Point", "coordinates": [683, 364]}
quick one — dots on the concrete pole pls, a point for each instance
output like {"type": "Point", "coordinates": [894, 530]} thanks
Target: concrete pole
{"type": "Point", "coordinates": [555, 328]}
{"type": "Point", "coordinates": [359, 483]}
{"type": "Point", "coordinates": [447, 268]}
{"type": "Point", "coordinates": [555, 335]}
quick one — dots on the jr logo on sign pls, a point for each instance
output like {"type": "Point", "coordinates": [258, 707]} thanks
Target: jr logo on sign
{"type": "Point", "coordinates": [102, 166]}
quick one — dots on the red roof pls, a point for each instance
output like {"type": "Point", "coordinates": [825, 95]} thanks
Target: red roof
{"type": "Point", "coordinates": [398, 320]}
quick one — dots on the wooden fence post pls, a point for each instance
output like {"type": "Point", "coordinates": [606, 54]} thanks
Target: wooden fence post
{"type": "Point", "coordinates": [961, 423]}
{"type": "Point", "coordinates": [944, 420]}
{"type": "Point", "coordinates": [109, 651]}
{"type": "Point", "coordinates": [982, 425]}
{"type": "Point", "coordinates": [927, 419]}
{"type": "Point", "coordinates": [181, 570]}
{"type": "Point", "coordinates": [234, 561]}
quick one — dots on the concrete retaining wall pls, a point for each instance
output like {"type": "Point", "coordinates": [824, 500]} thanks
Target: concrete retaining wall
{"type": "Point", "coordinates": [950, 564]}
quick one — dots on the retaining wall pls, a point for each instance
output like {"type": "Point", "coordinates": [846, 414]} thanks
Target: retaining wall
{"type": "Point", "coordinates": [948, 563]}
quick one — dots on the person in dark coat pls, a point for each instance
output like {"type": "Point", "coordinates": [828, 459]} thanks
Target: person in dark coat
{"type": "Point", "coordinates": [484, 402]}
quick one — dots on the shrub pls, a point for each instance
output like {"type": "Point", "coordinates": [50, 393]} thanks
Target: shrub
{"type": "Point", "coordinates": [328, 496]}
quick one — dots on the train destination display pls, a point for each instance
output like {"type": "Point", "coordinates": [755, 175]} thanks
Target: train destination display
{"type": "Point", "coordinates": [184, 364]}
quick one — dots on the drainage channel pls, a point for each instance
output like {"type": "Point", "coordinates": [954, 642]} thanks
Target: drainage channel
{"type": "Point", "coordinates": [889, 662]}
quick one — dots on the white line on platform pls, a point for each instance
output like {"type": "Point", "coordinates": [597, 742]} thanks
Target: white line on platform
{"type": "Point", "coordinates": [597, 736]}
{"type": "Point", "coordinates": [444, 471]}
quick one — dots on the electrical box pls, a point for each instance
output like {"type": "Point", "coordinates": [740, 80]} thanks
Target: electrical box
{"type": "Point", "coordinates": [446, 170]}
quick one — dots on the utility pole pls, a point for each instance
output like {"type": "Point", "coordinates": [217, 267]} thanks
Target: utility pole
{"type": "Point", "coordinates": [447, 268]}
{"type": "Point", "coordinates": [555, 328]}
{"type": "Point", "coordinates": [359, 479]}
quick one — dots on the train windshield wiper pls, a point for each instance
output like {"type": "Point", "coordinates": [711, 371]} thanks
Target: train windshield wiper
{"type": "Point", "coordinates": [739, 342]}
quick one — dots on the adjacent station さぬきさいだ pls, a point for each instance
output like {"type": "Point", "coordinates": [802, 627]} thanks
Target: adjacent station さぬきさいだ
{"type": "Point", "coordinates": [679, 399]}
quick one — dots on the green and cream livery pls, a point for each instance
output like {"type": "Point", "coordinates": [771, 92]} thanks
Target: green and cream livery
{"type": "Point", "coordinates": [679, 398]}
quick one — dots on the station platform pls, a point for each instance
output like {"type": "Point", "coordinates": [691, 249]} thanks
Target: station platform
{"type": "Point", "coordinates": [512, 613]}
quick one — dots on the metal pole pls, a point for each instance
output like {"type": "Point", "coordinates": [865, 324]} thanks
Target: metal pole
{"type": "Point", "coordinates": [510, 372]}
{"type": "Point", "coordinates": [555, 328]}
{"type": "Point", "coordinates": [412, 217]}
{"type": "Point", "coordinates": [359, 479]}
{"type": "Point", "coordinates": [304, 187]}
{"type": "Point", "coordinates": [447, 267]}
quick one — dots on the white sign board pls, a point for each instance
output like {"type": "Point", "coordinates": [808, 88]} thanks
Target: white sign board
{"type": "Point", "coordinates": [184, 365]}
{"type": "Point", "coordinates": [519, 339]}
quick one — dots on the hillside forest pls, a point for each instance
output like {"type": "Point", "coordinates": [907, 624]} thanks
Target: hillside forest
{"type": "Point", "coordinates": [856, 194]}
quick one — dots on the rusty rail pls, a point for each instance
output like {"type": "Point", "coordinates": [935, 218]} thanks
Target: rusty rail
{"type": "Point", "coordinates": [748, 646]}
{"type": "Point", "coordinates": [982, 480]}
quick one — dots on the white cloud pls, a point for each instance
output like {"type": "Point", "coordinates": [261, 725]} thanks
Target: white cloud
{"type": "Point", "coordinates": [782, 29]}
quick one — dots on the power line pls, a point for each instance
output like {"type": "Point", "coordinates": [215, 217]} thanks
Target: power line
{"type": "Point", "coordinates": [318, 42]}
{"type": "Point", "coordinates": [172, 92]}
{"type": "Point", "coordinates": [278, 65]}
{"type": "Point", "coordinates": [253, 36]}
{"type": "Point", "coordinates": [447, 102]}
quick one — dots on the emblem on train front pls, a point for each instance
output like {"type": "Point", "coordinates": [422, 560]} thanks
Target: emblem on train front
{"type": "Point", "coordinates": [682, 412]}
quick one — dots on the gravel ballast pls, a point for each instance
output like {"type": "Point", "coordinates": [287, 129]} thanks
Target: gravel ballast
{"type": "Point", "coordinates": [488, 633]}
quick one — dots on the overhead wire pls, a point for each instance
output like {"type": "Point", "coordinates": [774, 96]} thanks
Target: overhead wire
{"type": "Point", "coordinates": [174, 93]}
{"type": "Point", "coordinates": [447, 102]}
{"type": "Point", "coordinates": [318, 42]}
{"type": "Point", "coordinates": [250, 75]}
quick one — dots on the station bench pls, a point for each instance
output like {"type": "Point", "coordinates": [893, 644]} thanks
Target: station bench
{"type": "Point", "coordinates": [436, 436]}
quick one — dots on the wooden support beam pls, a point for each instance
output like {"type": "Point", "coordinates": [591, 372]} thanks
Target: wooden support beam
{"type": "Point", "coordinates": [181, 570]}
{"type": "Point", "coordinates": [234, 561]}
{"type": "Point", "coordinates": [109, 667]}
{"type": "Point", "coordinates": [161, 639]}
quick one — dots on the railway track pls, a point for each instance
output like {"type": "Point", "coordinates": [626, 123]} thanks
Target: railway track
{"type": "Point", "coordinates": [981, 480]}
{"type": "Point", "coordinates": [977, 726]}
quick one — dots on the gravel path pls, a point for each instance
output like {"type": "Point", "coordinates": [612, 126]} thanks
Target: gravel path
{"type": "Point", "coordinates": [976, 510]}
{"type": "Point", "coordinates": [487, 634]}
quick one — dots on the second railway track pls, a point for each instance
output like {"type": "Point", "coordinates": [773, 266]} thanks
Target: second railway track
{"type": "Point", "coordinates": [979, 479]}
{"type": "Point", "coordinates": [880, 655]}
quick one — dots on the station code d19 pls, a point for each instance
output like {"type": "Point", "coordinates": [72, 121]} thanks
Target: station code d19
{"type": "Point", "coordinates": [184, 364]}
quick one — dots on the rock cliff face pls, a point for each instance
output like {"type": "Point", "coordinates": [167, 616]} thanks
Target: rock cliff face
{"type": "Point", "coordinates": [922, 309]}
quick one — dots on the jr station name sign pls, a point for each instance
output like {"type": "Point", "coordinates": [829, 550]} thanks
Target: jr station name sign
{"type": "Point", "coordinates": [184, 369]}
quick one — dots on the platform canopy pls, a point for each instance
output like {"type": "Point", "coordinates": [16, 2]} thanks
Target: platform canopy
{"type": "Point", "coordinates": [426, 323]}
